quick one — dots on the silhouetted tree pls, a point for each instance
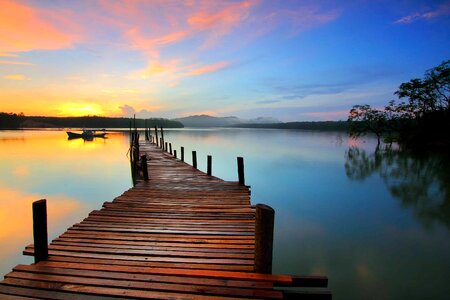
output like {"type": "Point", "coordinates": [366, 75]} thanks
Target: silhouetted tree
{"type": "Point", "coordinates": [365, 119]}
{"type": "Point", "coordinates": [419, 120]}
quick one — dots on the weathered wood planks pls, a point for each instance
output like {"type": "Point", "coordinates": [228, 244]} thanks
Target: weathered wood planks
{"type": "Point", "coordinates": [181, 234]}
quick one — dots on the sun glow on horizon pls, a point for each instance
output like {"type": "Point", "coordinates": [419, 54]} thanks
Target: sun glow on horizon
{"type": "Point", "coordinates": [80, 109]}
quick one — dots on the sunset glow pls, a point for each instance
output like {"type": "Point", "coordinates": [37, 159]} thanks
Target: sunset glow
{"type": "Point", "coordinates": [292, 60]}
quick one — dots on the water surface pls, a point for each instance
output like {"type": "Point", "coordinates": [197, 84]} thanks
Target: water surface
{"type": "Point", "coordinates": [376, 223]}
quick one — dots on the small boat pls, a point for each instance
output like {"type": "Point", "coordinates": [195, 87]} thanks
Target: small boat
{"type": "Point", "coordinates": [86, 134]}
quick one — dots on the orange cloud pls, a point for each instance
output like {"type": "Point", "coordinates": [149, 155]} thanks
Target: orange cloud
{"type": "Point", "coordinates": [25, 28]}
{"type": "Point", "coordinates": [15, 77]}
{"type": "Point", "coordinates": [9, 62]}
{"type": "Point", "coordinates": [209, 68]}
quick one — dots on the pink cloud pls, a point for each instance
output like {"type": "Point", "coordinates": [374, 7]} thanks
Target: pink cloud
{"type": "Point", "coordinates": [443, 10]}
{"type": "Point", "coordinates": [209, 68]}
{"type": "Point", "coordinates": [25, 28]}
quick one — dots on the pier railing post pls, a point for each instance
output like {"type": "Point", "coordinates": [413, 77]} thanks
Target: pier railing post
{"type": "Point", "coordinates": [156, 136]}
{"type": "Point", "coordinates": [182, 153]}
{"type": "Point", "coordinates": [40, 234]}
{"type": "Point", "coordinates": [209, 165]}
{"type": "Point", "coordinates": [240, 165]}
{"type": "Point", "coordinates": [175, 153]}
{"type": "Point", "coordinates": [144, 167]}
{"type": "Point", "coordinates": [264, 220]}
{"type": "Point", "coordinates": [194, 159]}
{"type": "Point", "coordinates": [160, 143]}
{"type": "Point", "coordinates": [165, 146]}
{"type": "Point", "coordinates": [170, 148]}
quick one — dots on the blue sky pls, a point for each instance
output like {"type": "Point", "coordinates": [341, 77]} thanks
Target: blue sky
{"type": "Point", "coordinates": [292, 60]}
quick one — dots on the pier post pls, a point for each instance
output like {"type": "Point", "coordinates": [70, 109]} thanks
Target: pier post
{"type": "Point", "coordinates": [182, 153]}
{"type": "Point", "coordinates": [161, 143]}
{"type": "Point", "coordinates": [240, 165]}
{"type": "Point", "coordinates": [40, 234]}
{"type": "Point", "coordinates": [162, 136]}
{"type": "Point", "coordinates": [170, 148]}
{"type": "Point", "coordinates": [209, 165]}
{"type": "Point", "coordinates": [156, 136]}
{"type": "Point", "coordinates": [264, 238]}
{"type": "Point", "coordinates": [165, 146]}
{"type": "Point", "coordinates": [175, 153]}
{"type": "Point", "coordinates": [144, 167]}
{"type": "Point", "coordinates": [194, 159]}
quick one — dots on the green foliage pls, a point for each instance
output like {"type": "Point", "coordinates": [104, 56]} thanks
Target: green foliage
{"type": "Point", "coordinates": [418, 119]}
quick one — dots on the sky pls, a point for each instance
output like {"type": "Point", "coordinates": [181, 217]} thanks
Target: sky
{"type": "Point", "coordinates": [290, 60]}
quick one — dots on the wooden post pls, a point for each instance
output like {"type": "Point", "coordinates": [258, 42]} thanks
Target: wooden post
{"type": "Point", "coordinates": [170, 148]}
{"type": "Point", "coordinates": [240, 165]}
{"type": "Point", "coordinates": [144, 167]}
{"type": "Point", "coordinates": [264, 238]}
{"type": "Point", "coordinates": [194, 159]}
{"type": "Point", "coordinates": [182, 153]}
{"type": "Point", "coordinates": [165, 146]}
{"type": "Point", "coordinates": [40, 234]}
{"type": "Point", "coordinates": [209, 165]}
{"type": "Point", "coordinates": [175, 153]}
{"type": "Point", "coordinates": [146, 131]}
{"type": "Point", "coordinates": [162, 136]}
{"type": "Point", "coordinates": [156, 135]}
{"type": "Point", "coordinates": [160, 143]}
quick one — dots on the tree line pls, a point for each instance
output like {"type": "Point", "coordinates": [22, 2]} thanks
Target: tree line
{"type": "Point", "coordinates": [15, 121]}
{"type": "Point", "coordinates": [419, 118]}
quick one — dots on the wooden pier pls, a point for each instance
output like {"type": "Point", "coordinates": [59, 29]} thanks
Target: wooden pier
{"type": "Point", "coordinates": [181, 234]}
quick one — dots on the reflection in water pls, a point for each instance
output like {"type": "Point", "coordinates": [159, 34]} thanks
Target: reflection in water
{"type": "Point", "coordinates": [419, 182]}
{"type": "Point", "coordinates": [74, 176]}
{"type": "Point", "coordinates": [16, 220]}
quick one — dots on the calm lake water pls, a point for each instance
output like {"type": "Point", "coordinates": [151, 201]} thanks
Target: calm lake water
{"type": "Point", "coordinates": [378, 224]}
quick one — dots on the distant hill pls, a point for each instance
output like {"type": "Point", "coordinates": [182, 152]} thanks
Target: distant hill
{"type": "Point", "coordinates": [209, 121]}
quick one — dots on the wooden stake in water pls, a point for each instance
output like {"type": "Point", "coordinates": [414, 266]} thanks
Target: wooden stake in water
{"type": "Point", "coordinates": [264, 220]}
{"type": "Point", "coordinates": [209, 165]}
{"type": "Point", "coordinates": [194, 159]}
{"type": "Point", "coordinates": [40, 234]}
{"type": "Point", "coordinates": [240, 165]}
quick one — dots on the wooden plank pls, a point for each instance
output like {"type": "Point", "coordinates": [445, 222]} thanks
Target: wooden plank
{"type": "Point", "coordinates": [285, 280]}
{"type": "Point", "coordinates": [147, 286]}
{"type": "Point", "coordinates": [105, 273]}
{"type": "Point", "coordinates": [31, 293]}
{"type": "Point", "coordinates": [109, 291]}
{"type": "Point", "coordinates": [111, 261]}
